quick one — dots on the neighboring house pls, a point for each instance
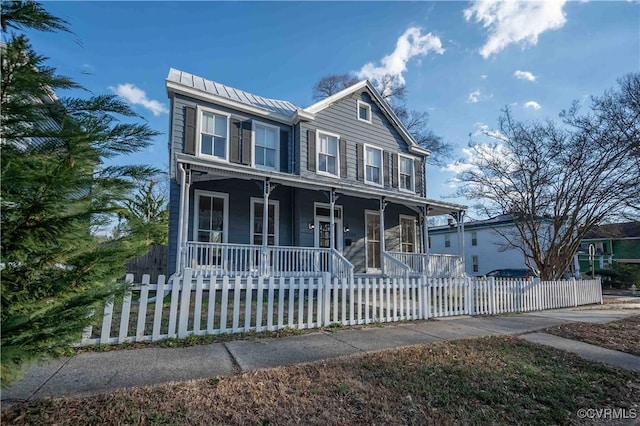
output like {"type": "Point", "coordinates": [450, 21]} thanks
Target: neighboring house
{"type": "Point", "coordinates": [483, 243]}
{"type": "Point", "coordinates": [332, 175]}
{"type": "Point", "coordinates": [613, 243]}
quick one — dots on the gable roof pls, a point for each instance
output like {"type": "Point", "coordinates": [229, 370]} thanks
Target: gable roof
{"type": "Point", "coordinates": [384, 105]}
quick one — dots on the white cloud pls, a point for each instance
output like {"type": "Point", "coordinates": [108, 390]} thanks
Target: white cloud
{"type": "Point", "coordinates": [411, 44]}
{"type": "Point", "coordinates": [484, 76]}
{"type": "Point", "coordinates": [473, 97]}
{"type": "Point", "coordinates": [136, 96]}
{"type": "Point", "coordinates": [519, 22]}
{"type": "Point", "coordinates": [532, 104]}
{"type": "Point", "coordinates": [524, 75]}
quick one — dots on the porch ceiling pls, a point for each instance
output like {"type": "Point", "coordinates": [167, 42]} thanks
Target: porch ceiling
{"type": "Point", "coordinates": [222, 170]}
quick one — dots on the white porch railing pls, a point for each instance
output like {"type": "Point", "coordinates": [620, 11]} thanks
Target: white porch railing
{"type": "Point", "coordinates": [246, 260]}
{"type": "Point", "coordinates": [432, 265]}
{"type": "Point", "coordinates": [393, 267]}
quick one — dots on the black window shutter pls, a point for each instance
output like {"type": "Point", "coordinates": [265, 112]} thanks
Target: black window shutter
{"type": "Point", "coordinates": [419, 172]}
{"type": "Point", "coordinates": [311, 150]}
{"type": "Point", "coordinates": [386, 166]}
{"type": "Point", "coordinates": [246, 142]}
{"type": "Point", "coordinates": [394, 170]}
{"type": "Point", "coordinates": [360, 160]}
{"type": "Point", "coordinates": [234, 148]}
{"type": "Point", "coordinates": [284, 151]}
{"type": "Point", "coordinates": [343, 158]}
{"type": "Point", "coordinates": [190, 130]}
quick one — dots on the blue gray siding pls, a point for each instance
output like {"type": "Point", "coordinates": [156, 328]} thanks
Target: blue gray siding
{"type": "Point", "coordinates": [340, 118]}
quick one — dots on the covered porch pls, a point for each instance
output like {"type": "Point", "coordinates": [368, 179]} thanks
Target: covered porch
{"type": "Point", "coordinates": [311, 227]}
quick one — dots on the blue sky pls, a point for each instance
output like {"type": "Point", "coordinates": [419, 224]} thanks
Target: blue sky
{"type": "Point", "coordinates": [461, 61]}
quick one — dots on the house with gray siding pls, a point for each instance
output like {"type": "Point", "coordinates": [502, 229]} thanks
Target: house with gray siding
{"type": "Point", "coordinates": [343, 181]}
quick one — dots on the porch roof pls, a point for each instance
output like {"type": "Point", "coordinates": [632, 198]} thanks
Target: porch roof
{"type": "Point", "coordinates": [224, 170]}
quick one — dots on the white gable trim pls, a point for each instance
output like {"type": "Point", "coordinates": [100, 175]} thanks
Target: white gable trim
{"type": "Point", "coordinates": [325, 103]}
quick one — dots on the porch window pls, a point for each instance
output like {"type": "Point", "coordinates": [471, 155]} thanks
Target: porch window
{"type": "Point", "coordinates": [214, 134]}
{"type": "Point", "coordinates": [406, 173]}
{"type": "Point", "coordinates": [407, 234]}
{"type": "Point", "coordinates": [266, 143]}
{"type": "Point", "coordinates": [328, 160]}
{"type": "Point", "coordinates": [373, 240]}
{"type": "Point", "coordinates": [210, 217]}
{"type": "Point", "coordinates": [373, 165]}
{"type": "Point", "coordinates": [257, 232]}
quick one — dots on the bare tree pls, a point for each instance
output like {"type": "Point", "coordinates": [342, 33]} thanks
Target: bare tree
{"type": "Point", "coordinates": [556, 181]}
{"type": "Point", "coordinates": [394, 92]}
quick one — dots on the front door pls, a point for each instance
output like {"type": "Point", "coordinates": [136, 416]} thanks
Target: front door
{"type": "Point", "coordinates": [324, 234]}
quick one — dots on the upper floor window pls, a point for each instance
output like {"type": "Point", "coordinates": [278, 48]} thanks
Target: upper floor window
{"type": "Point", "coordinates": [265, 145]}
{"type": "Point", "coordinates": [214, 134]}
{"type": "Point", "coordinates": [447, 240]}
{"type": "Point", "coordinates": [373, 165]}
{"type": "Point", "coordinates": [328, 160]}
{"type": "Point", "coordinates": [474, 238]}
{"type": "Point", "coordinates": [364, 111]}
{"type": "Point", "coordinates": [474, 261]}
{"type": "Point", "coordinates": [406, 173]}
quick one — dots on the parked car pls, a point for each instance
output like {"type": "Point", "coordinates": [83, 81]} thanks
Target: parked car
{"type": "Point", "coordinates": [511, 273]}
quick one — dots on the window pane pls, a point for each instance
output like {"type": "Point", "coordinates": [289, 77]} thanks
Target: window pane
{"type": "Point", "coordinates": [333, 147]}
{"type": "Point", "coordinates": [322, 160]}
{"type": "Point", "coordinates": [363, 113]}
{"type": "Point", "coordinates": [204, 213]}
{"type": "Point", "coordinates": [270, 138]}
{"type": "Point", "coordinates": [270, 158]}
{"type": "Point", "coordinates": [331, 165]}
{"type": "Point", "coordinates": [207, 122]}
{"type": "Point", "coordinates": [374, 157]}
{"type": "Point", "coordinates": [206, 145]}
{"type": "Point", "coordinates": [221, 126]}
{"type": "Point", "coordinates": [220, 147]}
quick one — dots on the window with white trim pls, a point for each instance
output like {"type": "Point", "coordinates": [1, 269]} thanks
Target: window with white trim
{"type": "Point", "coordinates": [211, 214]}
{"type": "Point", "coordinates": [407, 234]}
{"type": "Point", "coordinates": [405, 169]}
{"type": "Point", "coordinates": [373, 165]}
{"type": "Point", "coordinates": [214, 134]}
{"type": "Point", "coordinates": [266, 144]}
{"type": "Point", "coordinates": [364, 111]}
{"type": "Point", "coordinates": [257, 232]}
{"type": "Point", "coordinates": [328, 160]}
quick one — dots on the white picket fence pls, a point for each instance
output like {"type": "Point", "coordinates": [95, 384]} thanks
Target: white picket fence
{"type": "Point", "coordinates": [197, 305]}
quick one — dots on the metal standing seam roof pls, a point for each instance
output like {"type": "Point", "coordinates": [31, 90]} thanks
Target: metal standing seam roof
{"type": "Point", "coordinates": [208, 86]}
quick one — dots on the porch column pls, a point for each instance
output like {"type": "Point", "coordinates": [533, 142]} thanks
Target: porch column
{"type": "Point", "coordinates": [461, 230]}
{"type": "Point", "coordinates": [332, 219]}
{"type": "Point", "coordinates": [424, 262]}
{"type": "Point", "coordinates": [382, 246]}
{"type": "Point", "coordinates": [183, 218]}
{"type": "Point", "coordinates": [265, 227]}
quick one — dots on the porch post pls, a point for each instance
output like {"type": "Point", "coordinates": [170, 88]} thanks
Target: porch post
{"type": "Point", "coordinates": [382, 245]}
{"type": "Point", "coordinates": [179, 248]}
{"type": "Point", "coordinates": [332, 232]}
{"type": "Point", "coordinates": [461, 228]}
{"type": "Point", "coordinates": [265, 226]}
{"type": "Point", "coordinates": [183, 230]}
{"type": "Point", "coordinates": [425, 239]}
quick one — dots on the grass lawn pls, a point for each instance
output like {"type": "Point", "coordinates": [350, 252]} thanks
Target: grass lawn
{"type": "Point", "coordinates": [622, 335]}
{"type": "Point", "coordinates": [493, 380]}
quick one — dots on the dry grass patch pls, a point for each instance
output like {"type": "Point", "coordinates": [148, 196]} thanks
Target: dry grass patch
{"type": "Point", "coordinates": [480, 381]}
{"type": "Point", "coordinates": [622, 335]}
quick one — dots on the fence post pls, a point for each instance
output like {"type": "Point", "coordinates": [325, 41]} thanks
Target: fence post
{"type": "Point", "coordinates": [185, 299]}
{"type": "Point", "coordinates": [575, 291]}
{"type": "Point", "coordinates": [471, 296]}
{"type": "Point", "coordinates": [326, 295]}
{"type": "Point", "coordinates": [492, 295]}
{"type": "Point", "coordinates": [599, 285]}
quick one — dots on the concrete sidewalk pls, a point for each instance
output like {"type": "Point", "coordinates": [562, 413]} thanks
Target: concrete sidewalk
{"type": "Point", "coordinates": [101, 372]}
